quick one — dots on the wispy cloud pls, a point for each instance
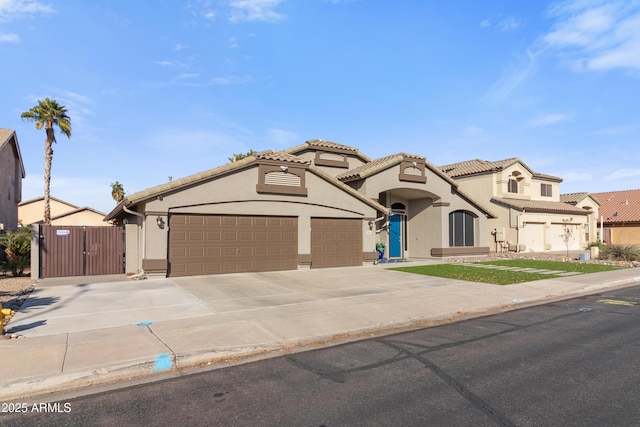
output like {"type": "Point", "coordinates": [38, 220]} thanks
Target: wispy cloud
{"type": "Point", "coordinates": [613, 131]}
{"type": "Point", "coordinates": [575, 176]}
{"type": "Point", "coordinates": [187, 76]}
{"type": "Point", "coordinates": [547, 119]}
{"type": "Point", "coordinates": [15, 8]}
{"type": "Point", "coordinates": [255, 10]}
{"type": "Point", "coordinates": [507, 24]}
{"type": "Point", "coordinates": [9, 38]}
{"type": "Point", "coordinates": [281, 137]}
{"type": "Point", "coordinates": [623, 174]}
{"type": "Point", "coordinates": [596, 35]}
{"type": "Point", "coordinates": [512, 77]}
{"type": "Point", "coordinates": [502, 25]}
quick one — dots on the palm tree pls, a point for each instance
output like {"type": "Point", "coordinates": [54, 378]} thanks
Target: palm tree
{"type": "Point", "coordinates": [117, 191]}
{"type": "Point", "coordinates": [240, 156]}
{"type": "Point", "coordinates": [47, 114]}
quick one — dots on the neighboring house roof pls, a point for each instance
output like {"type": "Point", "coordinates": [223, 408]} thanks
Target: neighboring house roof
{"type": "Point", "coordinates": [478, 167]}
{"type": "Point", "coordinates": [279, 156]}
{"type": "Point", "coordinates": [6, 136]}
{"type": "Point", "coordinates": [539, 206]}
{"type": "Point", "coordinates": [320, 143]}
{"type": "Point", "coordinates": [40, 199]}
{"type": "Point", "coordinates": [619, 206]}
{"type": "Point", "coordinates": [575, 198]}
{"type": "Point", "coordinates": [73, 212]}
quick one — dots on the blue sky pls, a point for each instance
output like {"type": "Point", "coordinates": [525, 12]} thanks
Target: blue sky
{"type": "Point", "coordinates": [162, 88]}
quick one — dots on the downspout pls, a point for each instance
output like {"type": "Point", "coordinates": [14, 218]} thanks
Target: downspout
{"type": "Point", "coordinates": [144, 246]}
{"type": "Point", "coordinates": [518, 230]}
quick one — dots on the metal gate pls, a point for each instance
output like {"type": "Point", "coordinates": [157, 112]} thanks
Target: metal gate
{"type": "Point", "coordinates": [81, 250]}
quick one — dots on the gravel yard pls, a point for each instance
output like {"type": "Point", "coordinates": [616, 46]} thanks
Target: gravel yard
{"type": "Point", "coordinates": [12, 288]}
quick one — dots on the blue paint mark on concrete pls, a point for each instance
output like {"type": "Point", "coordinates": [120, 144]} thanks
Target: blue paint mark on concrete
{"type": "Point", "coordinates": [145, 323]}
{"type": "Point", "coordinates": [163, 363]}
{"type": "Point", "coordinates": [518, 300]}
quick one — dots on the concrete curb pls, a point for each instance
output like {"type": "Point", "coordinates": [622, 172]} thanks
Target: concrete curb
{"type": "Point", "coordinates": [232, 355]}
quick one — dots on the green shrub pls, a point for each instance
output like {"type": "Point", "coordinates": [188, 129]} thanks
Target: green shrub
{"type": "Point", "coordinates": [17, 247]}
{"type": "Point", "coordinates": [620, 252]}
{"type": "Point", "coordinates": [597, 244]}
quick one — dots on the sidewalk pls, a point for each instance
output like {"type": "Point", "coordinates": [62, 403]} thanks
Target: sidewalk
{"type": "Point", "coordinates": [78, 333]}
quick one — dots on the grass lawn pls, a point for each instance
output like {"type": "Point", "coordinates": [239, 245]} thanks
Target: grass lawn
{"type": "Point", "coordinates": [503, 277]}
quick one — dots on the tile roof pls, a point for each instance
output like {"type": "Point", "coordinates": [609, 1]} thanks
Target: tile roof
{"type": "Point", "coordinates": [280, 156]}
{"type": "Point", "coordinates": [376, 165]}
{"type": "Point", "coordinates": [321, 143]}
{"type": "Point", "coordinates": [177, 184]}
{"type": "Point", "coordinates": [478, 166]}
{"type": "Point", "coordinates": [7, 135]}
{"type": "Point", "coordinates": [619, 206]}
{"type": "Point", "coordinates": [472, 167]}
{"type": "Point", "coordinates": [575, 198]}
{"type": "Point", "coordinates": [329, 144]}
{"type": "Point", "coordinates": [540, 206]}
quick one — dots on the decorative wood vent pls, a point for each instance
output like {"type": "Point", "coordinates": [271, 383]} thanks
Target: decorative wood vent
{"type": "Point", "coordinates": [282, 178]}
{"type": "Point", "coordinates": [413, 171]}
{"type": "Point", "coordinates": [287, 179]}
{"type": "Point", "coordinates": [336, 160]}
{"type": "Point", "coordinates": [331, 156]}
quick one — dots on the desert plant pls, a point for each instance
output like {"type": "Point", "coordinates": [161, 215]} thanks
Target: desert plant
{"type": "Point", "coordinates": [620, 252]}
{"type": "Point", "coordinates": [597, 244]}
{"type": "Point", "coordinates": [17, 247]}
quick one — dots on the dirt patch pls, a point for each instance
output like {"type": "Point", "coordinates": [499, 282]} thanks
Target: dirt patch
{"type": "Point", "coordinates": [13, 289]}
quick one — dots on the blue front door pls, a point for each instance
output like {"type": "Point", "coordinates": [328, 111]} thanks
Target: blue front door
{"type": "Point", "coordinates": [395, 236]}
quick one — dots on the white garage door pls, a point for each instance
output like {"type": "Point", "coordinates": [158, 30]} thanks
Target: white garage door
{"type": "Point", "coordinates": [533, 237]}
{"type": "Point", "coordinates": [555, 235]}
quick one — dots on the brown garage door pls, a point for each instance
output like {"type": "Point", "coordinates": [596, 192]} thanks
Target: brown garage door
{"type": "Point", "coordinates": [336, 242]}
{"type": "Point", "coordinates": [212, 244]}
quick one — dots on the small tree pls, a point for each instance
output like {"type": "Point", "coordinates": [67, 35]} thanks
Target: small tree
{"type": "Point", "coordinates": [117, 191]}
{"type": "Point", "coordinates": [17, 247]}
{"type": "Point", "coordinates": [568, 233]}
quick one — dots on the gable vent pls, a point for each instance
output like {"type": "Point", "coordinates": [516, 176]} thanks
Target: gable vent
{"type": "Point", "coordinates": [282, 178]}
{"type": "Point", "coordinates": [412, 171]}
{"type": "Point", "coordinates": [331, 156]}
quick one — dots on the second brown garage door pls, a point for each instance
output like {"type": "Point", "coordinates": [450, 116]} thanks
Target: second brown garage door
{"type": "Point", "coordinates": [212, 244]}
{"type": "Point", "coordinates": [336, 242]}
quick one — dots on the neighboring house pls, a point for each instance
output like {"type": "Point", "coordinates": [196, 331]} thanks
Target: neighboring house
{"type": "Point", "coordinates": [11, 174]}
{"type": "Point", "coordinates": [620, 216]}
{"type": "Point", "coordinates": [589, 203]}
{"type": "Point", "coordinates": [319, 204]}
{"type": "Point", "coordinates": [530, 214]}
{"type": "Point", "coordinates": [62, 213]}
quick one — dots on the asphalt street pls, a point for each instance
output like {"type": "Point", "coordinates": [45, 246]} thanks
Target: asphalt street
{"type": "Point", "coordinates": [569, 363]}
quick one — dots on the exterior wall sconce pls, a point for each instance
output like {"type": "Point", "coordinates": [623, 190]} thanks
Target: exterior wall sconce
{"type": "Point", "coordinates": [284, 168]}
{"type": "Point", "coordinates": [160, 222]}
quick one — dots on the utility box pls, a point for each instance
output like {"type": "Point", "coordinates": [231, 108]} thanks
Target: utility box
{"type": "Point", "coordinates": [499, 233]}
{"type": "Point", "coordinates": [585, 256]}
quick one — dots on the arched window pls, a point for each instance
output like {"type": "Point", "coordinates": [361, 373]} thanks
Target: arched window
{"type": "Point", "coordinates": [461, 228]}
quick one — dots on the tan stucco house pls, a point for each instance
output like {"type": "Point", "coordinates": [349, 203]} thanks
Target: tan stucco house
{"type": "Point", "coordinates": [62, 213]}
{"type": "Point", "coordinates": [619, 217]}
{"type": "Point", "coordinates": [530, 214]}
{"type": "Point", "coordinates": [319, 204]}
{"type": "Point", "coordinates": [11, 174]}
